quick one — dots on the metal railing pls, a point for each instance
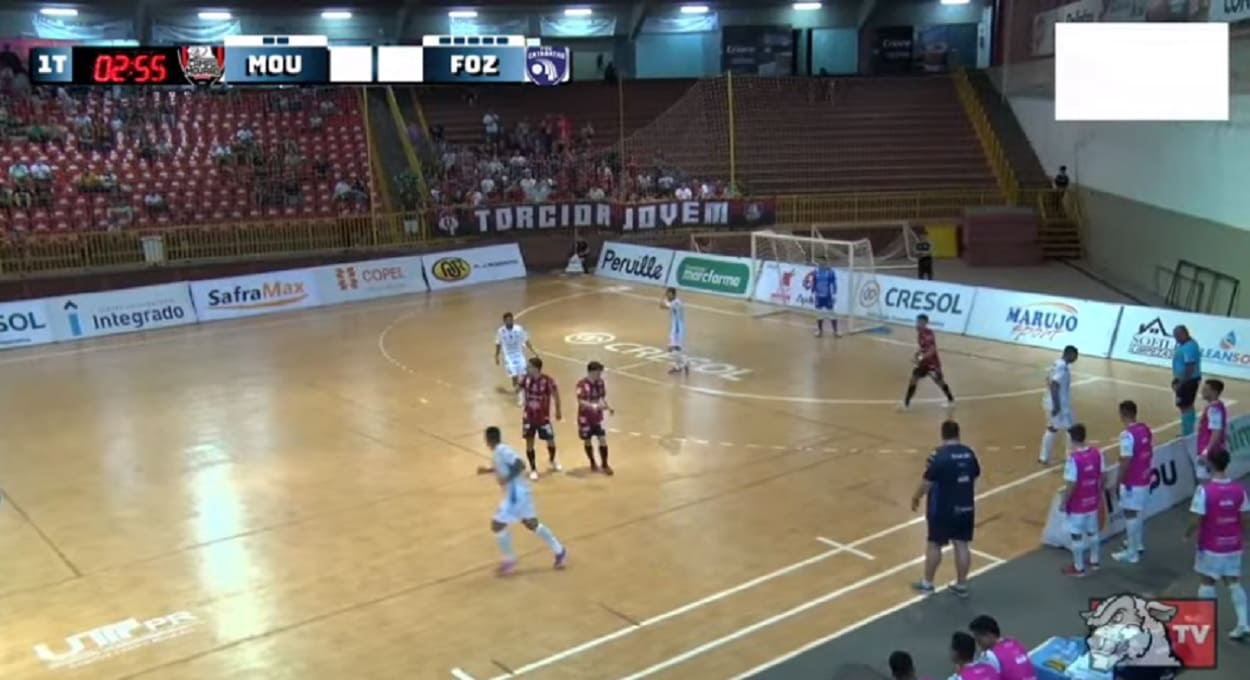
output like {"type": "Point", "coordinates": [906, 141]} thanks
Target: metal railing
{"type": "Point", "coordinates": [990, 144]}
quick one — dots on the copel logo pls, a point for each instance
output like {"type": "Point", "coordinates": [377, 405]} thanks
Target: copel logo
{"type": "Point", "coordinates": [1168, 635]}
{"type": "Point", "coordinates": [1042, 320]}
{"type": "Point", "coordinates": [1152, 340]}
{"type": "Point", "coordinates": [277, 293]}
{"type": "Point", "coordinates": [349, 278]}
{"type": "Point", "coordinates": [451, 269]}
{"type": "Point", "coordinates": [112, 639]}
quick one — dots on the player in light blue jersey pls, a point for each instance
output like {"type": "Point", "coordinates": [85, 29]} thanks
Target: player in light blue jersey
{"type": "Point", "coordinates": [517, 504]}
{"type": "Point", "coordinates": [676, 331]}
{"type": "Point", "coordinates": [824, 290]}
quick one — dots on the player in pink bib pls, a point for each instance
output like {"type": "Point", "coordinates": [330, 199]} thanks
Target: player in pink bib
{"type": "Point", "coordinates": [1006, 655]}
{"type": "Point", "coordinates": [967, 666]}
{"type": "Point", "coordinates": [1218, 509]}
{"type": "Point", "coordinates": [1082, 500]}
{"type": "Point", "coordinates": [1136, 461]}
{"type": "Point", "coordinates": [1212, 427]}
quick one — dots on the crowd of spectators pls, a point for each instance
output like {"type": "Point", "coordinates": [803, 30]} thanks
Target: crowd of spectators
{"type": "Point", "coordinates": [551, 159]}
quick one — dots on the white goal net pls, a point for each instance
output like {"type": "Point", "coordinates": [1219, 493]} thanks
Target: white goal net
{"type": "Point", "coordinates": [785, 274]}
{"type": "Point", "coordinates": [893, 243]}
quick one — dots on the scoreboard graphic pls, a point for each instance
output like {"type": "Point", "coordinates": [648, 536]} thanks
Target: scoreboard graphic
{"type": "Point", "coordinates": [308, 60]}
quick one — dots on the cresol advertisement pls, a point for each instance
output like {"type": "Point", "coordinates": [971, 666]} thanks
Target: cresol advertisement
{"type": "Point", "coordinates": [900, 300]}
{"type": "Point", "coordinates": [77, 317]}
{"type": "Point", "coordinates": [718, 275]}
{"type": "Point", "coordinates": [24, 324]}
{"type": "Point", "coordinates": [1145, 336]}
{"type": "Point", "coordinates": [1043, 321]}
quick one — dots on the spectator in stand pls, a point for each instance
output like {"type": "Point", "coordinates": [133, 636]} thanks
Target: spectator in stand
{"type": "Point", "coordinates": [244, 136]}
{"type": "Point", "coordinates": [564, 133]}
{"type": "Point", "coordinates": [588, 134]}
{"type": "Point", "coordinates": [315, 123]}
{"type": "Point", "coordinates": [1061, 179]}
{"type": "Point", "coordinates": [108, 180]}
{"type": "Point", "coordinates": [342, 191]}
{"type": "Point", "coordinates": [19, 173]}
{"type": "Point", "coordinates": [683, 193]}
{"type": "Point", "coordinates": [596, 194]}
{"type": "Point", "coordinates": [487, 185]}
{"type": "Point", "coordinates": [154, 203]}
{"type": "Point", "coordinates": [490, 127]}
{"type": "Point", "coordinates": [221, 154]}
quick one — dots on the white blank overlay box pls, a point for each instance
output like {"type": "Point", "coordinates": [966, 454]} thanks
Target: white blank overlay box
{"type": "Point", "coordinates": [351, 64]}
{"type": "Point", "coordinates": [1141, 72]}
{"type": "Point", "coordinates": [401, 64]}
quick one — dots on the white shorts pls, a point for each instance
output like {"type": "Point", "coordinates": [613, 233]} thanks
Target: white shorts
{"type": "Point", "coordinates": [1134, 497]}
{"type": "Point", "coordinates": [1061, 422]}
{"type": "Point", "coordinates": [1082, 524]}
{"type": "Point", "coordinates": [1201, 472]}
{"type": "Point", "coordinates": [514, 508]}
{"type": "Point", "coordinates": [514, 364]}
{"type": "Point", "coordinates": [1218, 565]}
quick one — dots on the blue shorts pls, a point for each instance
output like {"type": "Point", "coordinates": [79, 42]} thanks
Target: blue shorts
{"type": "Point", "coordinates": [824, 303]}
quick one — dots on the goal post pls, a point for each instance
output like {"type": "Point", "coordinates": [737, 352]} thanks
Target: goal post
{"type": "Point", "coordinates": [893, 242]}
{"type": "Point", "coordinates": [785, 266]}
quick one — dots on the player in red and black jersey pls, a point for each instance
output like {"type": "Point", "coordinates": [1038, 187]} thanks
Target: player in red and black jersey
{"type": "Point", "coordinates": [539, 391]}
{"type": "Point", "coordinates": [927, 363]}
{"type": "Point", "coordinates": [592, 401]}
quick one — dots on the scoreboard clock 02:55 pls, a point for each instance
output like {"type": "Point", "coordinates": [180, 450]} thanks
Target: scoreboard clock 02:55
{"type": "Point", "coordinates": [127, 66]}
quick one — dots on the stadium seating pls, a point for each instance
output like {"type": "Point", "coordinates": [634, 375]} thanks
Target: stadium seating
{"type": "Point", "coordinates": [196, 187]}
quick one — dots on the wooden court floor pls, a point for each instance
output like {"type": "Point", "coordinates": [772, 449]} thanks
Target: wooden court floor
{"type": "Point", "coordinates": [295, 497]}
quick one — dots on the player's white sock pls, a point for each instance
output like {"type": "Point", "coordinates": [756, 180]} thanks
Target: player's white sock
{"type": "Point", "coordinates": [1094, 543]}
{"type": "Point", "coordinates": [1048, 440]}
{"type": "Point", "coordinates": [1239, 603]}
{"type": "Point", "coordinates": [549, 538]}
{"type": "Point", "coordinates": [1078, 553]}
{"type": "Point", "coordinates": [503, 539]}
{"type": "Point", "coordinates": [1136, 528]}
{"type": "Point", "coordinates": [1206, 592]}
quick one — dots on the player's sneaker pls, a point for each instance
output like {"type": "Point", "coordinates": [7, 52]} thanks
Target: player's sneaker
{"type": "Point", "coordinates": [560, 559]}
{"type": "Point", "coordinates": [505, 567]}
{"type": "Point", "coordinates": [960, 591]}
{"type": "Point", "coordinates": [534, 475]}
{"type": "Point", "coordinates": [556, 467]}
{"type": "Point", "coordinates": [1072, 571]}
{"type": "Point", "coordinates": [607, 470]}
{"type": "Point", "coordinates": [903, 407]}
{"type": "Point", "coordinates": [1125, 556]}
{"type": "Point", "coordinates": [1239, 633]}
{"type": "Point", "coordinates": [594, 467]}
{"type": "Point", "coordinates": [923, 587]}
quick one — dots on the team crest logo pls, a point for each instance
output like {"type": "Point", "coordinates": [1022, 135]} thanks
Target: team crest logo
{"type": "Point", "coordinates": [203, 64]}
{"type": "Point", "coordinates": [1129, 630]}
{"type": "Point", "coordinates": [547, 66]}
{"type": "Point", "coordinates": [447, 222]}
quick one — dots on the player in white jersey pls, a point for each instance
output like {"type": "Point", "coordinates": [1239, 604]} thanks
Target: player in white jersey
{"type": "Point", "coordinates": [517, 505]}
{"type": "Point", "coordinates": [1058, 401]}
{"type": "Point", "coordinates": [676, 331]}
{"type": "Point", "coordinates": [511, 342]}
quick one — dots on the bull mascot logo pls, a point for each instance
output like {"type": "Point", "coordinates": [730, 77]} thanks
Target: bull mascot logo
{"type": "Point", "coordinates": [203, 64]}
{"type": "Point", "coordinates": [1129, 630]}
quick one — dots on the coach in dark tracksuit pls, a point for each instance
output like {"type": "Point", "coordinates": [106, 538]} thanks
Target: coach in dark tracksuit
{"type": "Point", "coordinates": [949, 481]}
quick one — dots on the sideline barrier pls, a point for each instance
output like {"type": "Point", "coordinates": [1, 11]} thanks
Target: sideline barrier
{"type": "Point", "coordinates": [456, 268]}
{"type": "Point", "coordinates": [1099, 329]}
{"type": "Point", "coordinates": [1172, 482]}
{"type": "Point", "coordinates": [639, 264]}
{"type": "Point", "coordinates": [79, 317]}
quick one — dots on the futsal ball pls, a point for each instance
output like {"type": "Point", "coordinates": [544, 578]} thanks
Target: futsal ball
{"type": "Point", "coordinates": [915, 361]}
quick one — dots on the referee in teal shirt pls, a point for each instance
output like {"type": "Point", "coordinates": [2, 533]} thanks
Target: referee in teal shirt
{"type": "Point", "coordinates": [1186, 376]}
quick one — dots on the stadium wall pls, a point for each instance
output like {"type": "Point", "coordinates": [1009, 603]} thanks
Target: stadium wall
{"type": "Point", "coordinates": [1177, 197]}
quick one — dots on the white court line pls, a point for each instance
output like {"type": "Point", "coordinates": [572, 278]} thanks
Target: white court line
{"type": "Point", "coordinates": [461, 675]}
{"type": "Point", "coordinates": [834, 544]}
{"type": "Point", "coordinates": [791, 613]}
{"type": "Point", "coordinates": [857, 625]}
{"type": "Point", "coordinates": [746, 585]}
{"type": "Point", "coordinates": [986, 556]}
{"type": "Point", "coordinates": [634, 365]}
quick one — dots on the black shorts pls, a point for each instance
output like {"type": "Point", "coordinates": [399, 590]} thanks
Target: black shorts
{"type": "Point", "coordinates": [924, 266]}
{"type": "Point", "coordinates": [1187, 392]}
{"type": "Point", "coordinates": [922, 371]}
{"type": "Point", "coordinates": [946, 528]}
{"type": "Point", "coordinates": [543, 431]}
{"type": "Point", "coordinates": [586, 432]}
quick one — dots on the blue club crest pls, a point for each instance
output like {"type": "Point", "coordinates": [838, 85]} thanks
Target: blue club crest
{"type": "Point", "coordinates": [547, 66]}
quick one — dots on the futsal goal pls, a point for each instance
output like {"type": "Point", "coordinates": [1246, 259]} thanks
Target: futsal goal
{"type": "Point", "coordinates": [785, 269]}
{"type": "Point", "coordinates": [893, 242]}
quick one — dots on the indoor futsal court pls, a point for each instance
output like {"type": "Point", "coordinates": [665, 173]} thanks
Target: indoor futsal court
{"type": "Point", "coordinates": [296, 497]}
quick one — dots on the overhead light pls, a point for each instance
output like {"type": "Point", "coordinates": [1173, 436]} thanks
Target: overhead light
{"type": "Point", "coordinates": [215, 16]}
{"type": "Point", "coordinates": [336, 14]}
{"type": "Point", "coordinates": [59, 11]}
{"type": "Point", "coordinates": [694, 9]}
{"type": "Point", "coordinates": [462, 14]}
{"type": "Point", "coordinates": [805, 6]}
{"type": "Point", "coordinates": [578, 12]}
{"type": "Point", "coordinates": [955, 2]}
